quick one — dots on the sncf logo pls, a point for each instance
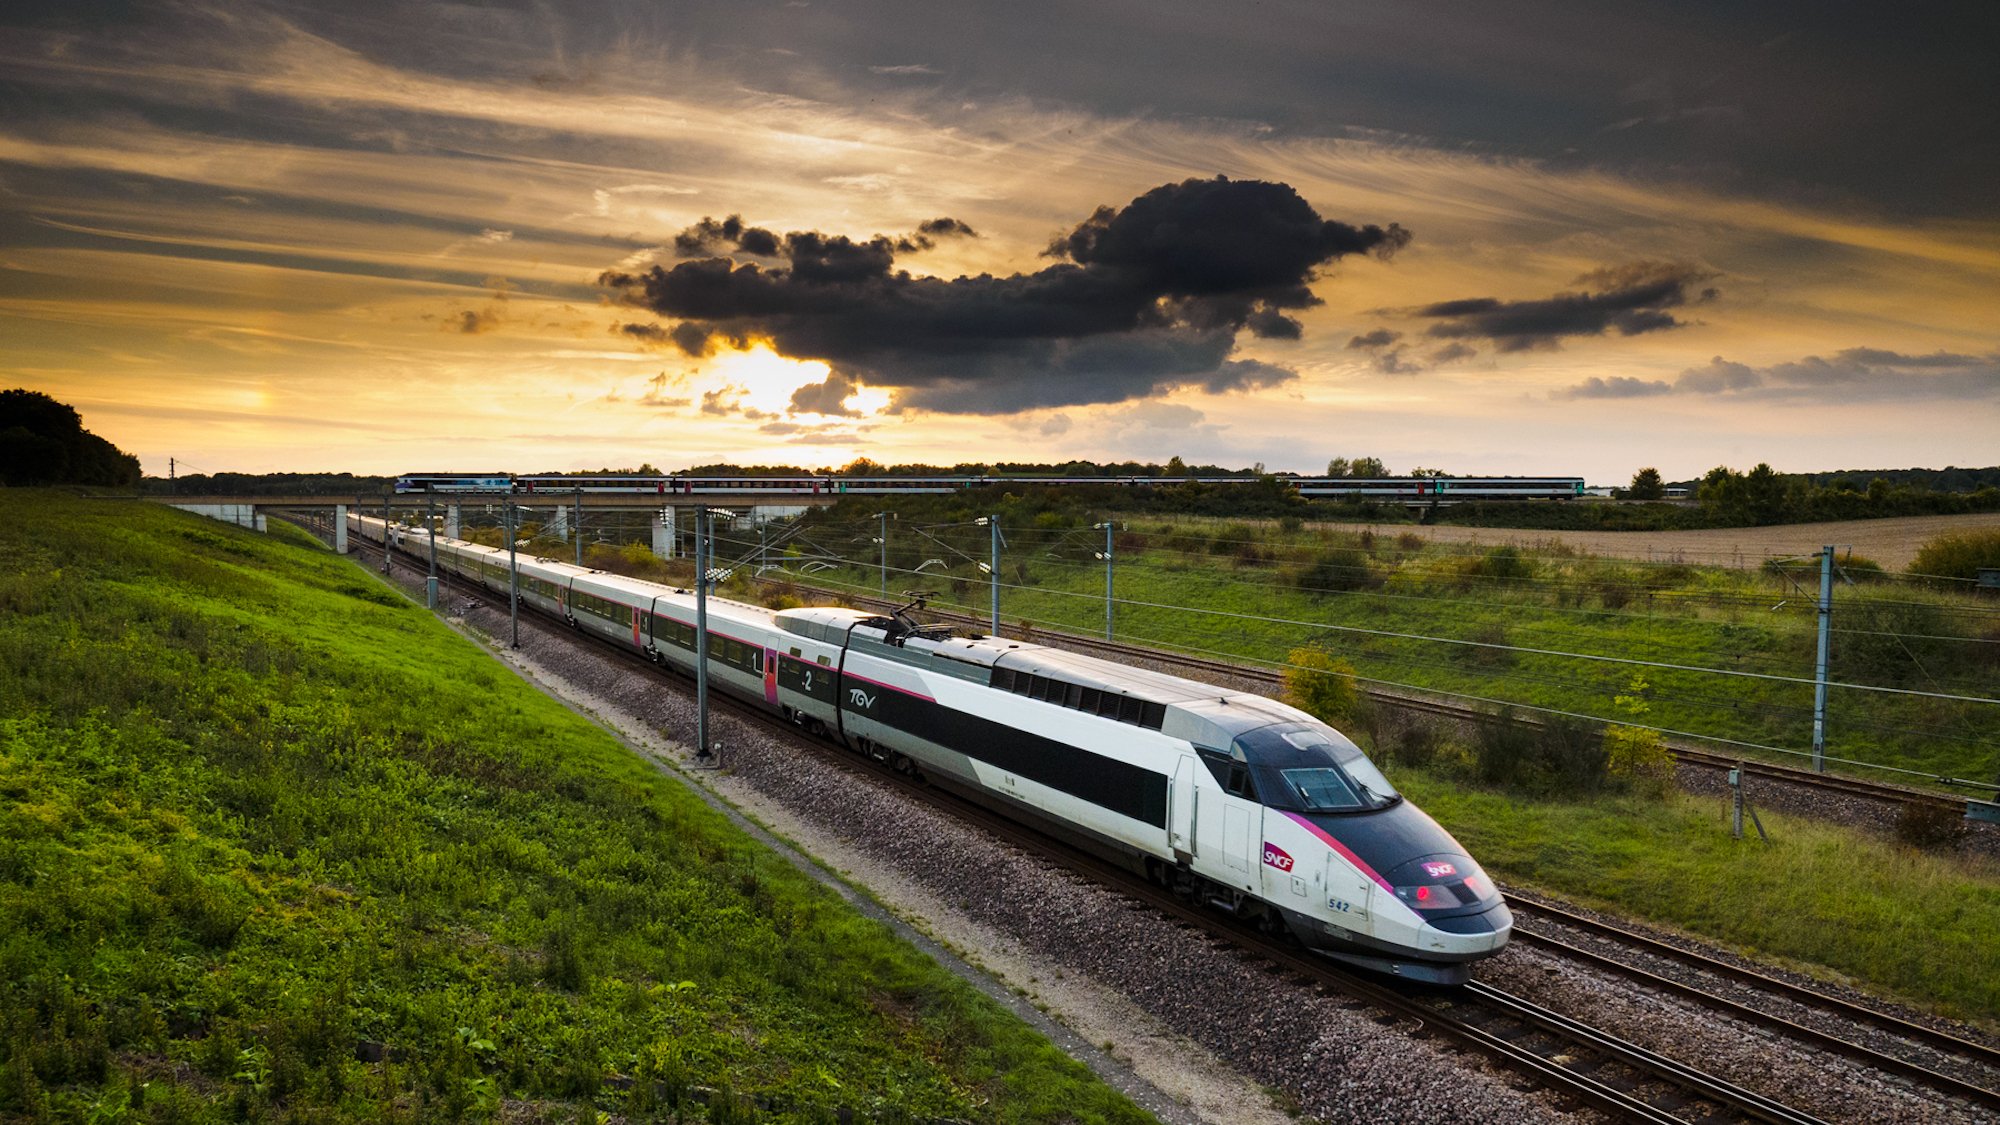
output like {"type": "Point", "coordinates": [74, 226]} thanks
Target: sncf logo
{"type": "Point", "coordinates": [859, 699]}
{"type": "Point", "coordinates": [1277, 857]}
{"type": "Point", "coordinates": [1437, 870]}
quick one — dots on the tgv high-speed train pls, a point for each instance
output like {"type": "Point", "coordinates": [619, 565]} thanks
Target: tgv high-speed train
{"type": "Point", "coordinates": [1228, 796]}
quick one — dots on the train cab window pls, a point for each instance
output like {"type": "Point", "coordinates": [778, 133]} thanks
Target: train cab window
{"type": "Point", "coordinates": [1238, 784]}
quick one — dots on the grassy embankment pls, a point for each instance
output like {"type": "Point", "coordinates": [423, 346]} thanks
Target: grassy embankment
{"type": "Point", "coordinates": [275, 843]}
{"type": "Point", "coordinates": [1708, 617]}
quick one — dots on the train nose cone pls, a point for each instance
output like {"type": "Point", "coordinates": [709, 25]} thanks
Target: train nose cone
{"type": "Point", "coordinates": [1486, 931]}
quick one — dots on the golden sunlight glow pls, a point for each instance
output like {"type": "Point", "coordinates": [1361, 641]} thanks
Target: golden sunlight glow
{"type": "Point", "coordinates": [766, 380]}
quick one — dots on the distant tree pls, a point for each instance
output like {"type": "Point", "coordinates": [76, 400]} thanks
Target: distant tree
{"type": "Point", "coordinates": [861, 467]}
{"type": "Point", "coordinates": [1176, 467]}
{"type": "Point", "coordinates": [1338, 467]}
{"type": "Point", "coordinates": [1366, 467]}
{"type": "Point", "coordinates": [1647, 485]}
{"type": "Point", "coordinates": [1423, 472]}
{"type": "Point", "coordinates": [42, 441]}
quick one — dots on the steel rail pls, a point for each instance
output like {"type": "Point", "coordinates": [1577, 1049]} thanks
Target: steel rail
{"type": "Point", "coordinates": [1781, 987]}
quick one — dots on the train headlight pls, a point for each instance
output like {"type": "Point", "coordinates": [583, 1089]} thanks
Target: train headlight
{"type": "Point", "coordinates": [1442, 896]}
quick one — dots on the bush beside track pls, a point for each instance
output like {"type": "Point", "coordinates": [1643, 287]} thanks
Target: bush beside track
{"type": "Point", "coordinates": [277, 844]}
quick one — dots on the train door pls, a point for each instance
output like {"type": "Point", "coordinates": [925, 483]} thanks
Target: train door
{"type": "Point", "coordinates": [1225, 822]}
{"type": "Point", "coordinates": [1181, 800]}
{"type": "Point", "coordinates": [1347, 890]}
{"type": "Point", "coordinates": [1236, 817]}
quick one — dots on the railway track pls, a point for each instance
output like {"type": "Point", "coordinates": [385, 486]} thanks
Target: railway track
{"type": "Point", "coordinates": [1940, 1049]}
{"type": "Point", "coordinates": [1593, 1068]}
{"type": "Point", "coordinates": [1272, 682]}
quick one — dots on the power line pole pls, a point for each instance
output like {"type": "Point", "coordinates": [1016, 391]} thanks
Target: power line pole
{"type": "Point", "coordinates": [513, 576]}
{"type": "Point", "coordinates": [385, 533]}
{"type": "Point", "coordinates": [1106, 556]}
{"type": "Point", "coordinates": [884, 541]}
{"type": "Point", "coordinates": [1819, 675]}
{"type": "Point", "coordinates": [701, 634]}
{"type": "Point", "coordinates": [430, 518]}
{"type": "Point", "coordinates": [576, 531]}
{"type": "Point", "coordinates": [993, 569]}
{"type": "Point", "coordinates": [172, 487]}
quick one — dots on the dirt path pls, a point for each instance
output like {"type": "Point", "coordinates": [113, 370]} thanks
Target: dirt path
{"type": "Point", "coordinates": [1891, 542]}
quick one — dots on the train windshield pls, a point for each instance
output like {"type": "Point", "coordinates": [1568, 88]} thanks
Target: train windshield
{"type": "Point", "coordinates": [1310, 768]}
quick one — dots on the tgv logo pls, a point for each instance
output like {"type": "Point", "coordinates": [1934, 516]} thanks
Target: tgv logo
{"type": "Point", "coordinates": [860, 700]}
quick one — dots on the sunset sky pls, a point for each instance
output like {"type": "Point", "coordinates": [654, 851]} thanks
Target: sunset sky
{"type": "Point", "coordinates": [1491, 238]}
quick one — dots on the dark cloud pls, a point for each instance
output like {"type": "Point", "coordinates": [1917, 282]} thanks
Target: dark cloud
{"type": "Point", "coordinates": [1453, 352]}
{"type": "Point", "coordinates": [644, 333]}
{"type": "Point", "coordinates": [1630, 299]}
{"type": "Point", "coordinates": [728, 400]}
{"type": "Point", "coordinates": [945, 228]}
{"type": "Point", "coordinates": [1144, 299]}
{"type": "Point", "coordinates": [1379, 338]}
{"type": "Point", "coordinates": [1719, 375]}
{"type": "Point", "coordinates": [829, 397]}
{"type": "Point", "coordinates": [1618, 386]}
{"type": "Point", "coordinates": [472, 322]}
{"type": "Point", "coordinates": [1853, 375]}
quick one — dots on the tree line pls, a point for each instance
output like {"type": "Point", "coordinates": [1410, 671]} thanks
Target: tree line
{"type": "Point", "coordinates": [42, 442]}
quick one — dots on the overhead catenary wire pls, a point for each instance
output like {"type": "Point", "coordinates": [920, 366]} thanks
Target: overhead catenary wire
{"type": "Point", "coordinates": [1619, 660]}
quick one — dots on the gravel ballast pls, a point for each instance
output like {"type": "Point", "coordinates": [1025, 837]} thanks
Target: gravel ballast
{"type": "Point", "coordinates": [1218, 1034]}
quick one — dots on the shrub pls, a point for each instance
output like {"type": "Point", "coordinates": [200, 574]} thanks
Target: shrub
{"type": "Point", "coordinates": [1251, 554]}
{"type": "Point", "coordinates": [1638, 757]}
{"type": "Point", "coordinates": [1503, 749]}
{"type": "Point", "coordinates": [1924, 824]}
{"type": "Point", "coordinates": [1336, 570]}
{"type": "Point", "coordinates": [1483, 654]}
{"type": "Point", "coordinates": [1504, 562]}
{"type": "Point", "coordinates": [1571, 755]}
{"type": "Point", "coordinates": [1419, 744]}
{"type": "Point", "coordinates": [1409, 541]}
{"type": "Point", "coordinates": [1958, 554]}
{"type": "Point", "coordinates": [1321, 685]}
{"type": "Point", "coordinates": [1291, 525]}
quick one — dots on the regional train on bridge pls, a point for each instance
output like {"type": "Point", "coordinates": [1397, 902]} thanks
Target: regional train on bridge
{"type": "Point", "coordinates": [1422, 490]}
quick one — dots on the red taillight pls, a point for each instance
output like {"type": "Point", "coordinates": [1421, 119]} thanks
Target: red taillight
{"type": "Point", "coordinates": [1423, 894]}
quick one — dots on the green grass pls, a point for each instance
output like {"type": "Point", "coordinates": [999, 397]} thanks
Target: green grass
{"type": "Point", "coordinates": [1916, 926]}
{"type": "Point", "coordinates": [276, 844]}
{"type": "Point", "coordinates": [1176, 581]}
